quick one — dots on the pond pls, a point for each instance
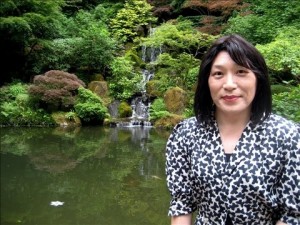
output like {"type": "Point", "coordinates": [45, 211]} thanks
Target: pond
{"type": "Point", "coordinates": [84, 176]}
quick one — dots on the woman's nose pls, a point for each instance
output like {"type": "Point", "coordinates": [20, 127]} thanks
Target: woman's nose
{"type": "Point", "coordinates": [229, 83]}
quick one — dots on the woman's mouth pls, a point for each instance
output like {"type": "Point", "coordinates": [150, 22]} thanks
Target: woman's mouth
{"type": "Point", "coordinates": [230, 98]}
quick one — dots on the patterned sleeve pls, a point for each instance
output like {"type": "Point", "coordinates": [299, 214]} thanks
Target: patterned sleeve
{"type": "Point", "coordinates": [288, 191]}
{"type": "Point", "coordinates": [178, 173]}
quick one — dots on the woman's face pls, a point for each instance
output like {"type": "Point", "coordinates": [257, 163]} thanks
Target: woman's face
{"type": "Point", "coordinates": [232, 87]}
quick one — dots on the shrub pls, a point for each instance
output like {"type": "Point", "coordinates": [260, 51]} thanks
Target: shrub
{"type": "Point", "coordinates": [17, 108]}
{"type": "Point", "coordinates": [89, 107]}
{"type": "Point", "coordinates": [158, 110]}
{"type": "Point", "coordinates": [56, 89]}
{"type": "Point", "coordinates": [125, 81]}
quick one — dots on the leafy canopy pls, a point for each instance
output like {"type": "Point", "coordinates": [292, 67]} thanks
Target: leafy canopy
{"type": "Point", "coordinates": [136, 13]}
{"type": "Point", "coordinates": [282, 54]}
{"type": "Point", "coordinates": [175, 37]}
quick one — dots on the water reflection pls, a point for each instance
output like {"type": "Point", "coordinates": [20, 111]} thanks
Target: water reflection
{"type": "Point", "coordinates": [102, 175]}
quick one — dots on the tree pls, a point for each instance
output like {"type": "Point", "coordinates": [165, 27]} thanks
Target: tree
{"type": "Point", "coordinates": [262, 20]}
{"type": "Point", "coordinates": [135, 14]}
{"type": "Point", "coordinates": [177, 71]}
{"type": "Point", "coordinates": [125, 80]}
{"type": "Point", "coordinates": [24, 25]}
{"type": "Point", "coordinates": [283, 55]}
{"type": "Point", "coordinates": [175, 37]}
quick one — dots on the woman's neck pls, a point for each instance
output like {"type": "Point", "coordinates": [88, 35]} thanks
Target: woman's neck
{"type": "Point", "coordinates": [232, 120]}
{"type": "Point", "coordinates": [231, 128]}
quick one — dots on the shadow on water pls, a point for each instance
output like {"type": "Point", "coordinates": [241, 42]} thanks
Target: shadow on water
{"type": "Point", "coordinates": [84, 176]}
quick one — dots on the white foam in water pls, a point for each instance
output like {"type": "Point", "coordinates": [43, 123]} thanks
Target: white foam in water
{"type": "Point", "coordinates": [56, 203]}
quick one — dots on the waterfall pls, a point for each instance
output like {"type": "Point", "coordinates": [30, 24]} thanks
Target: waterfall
{"type": "Point", "coordinates": [141, 103]}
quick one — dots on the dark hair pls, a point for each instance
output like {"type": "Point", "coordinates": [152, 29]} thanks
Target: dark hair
{"type": "Point", "coordinates": [244, 54]}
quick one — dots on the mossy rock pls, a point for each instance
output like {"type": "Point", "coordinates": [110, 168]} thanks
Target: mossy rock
{"type": "Point", "coordinates": [63, 119]}
{"type": "Point", "coordinates": [99, 87]}
{"type": "Point", "coordinates": [176, 100]}
{"type": "Point", "coordinates": [168, 122]}
{"type": "Point", "coordinates": [124, 110]}
{"type": "Point", "coordinates": [98, 77]}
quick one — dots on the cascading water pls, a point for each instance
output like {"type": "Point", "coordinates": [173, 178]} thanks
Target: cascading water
{"type": "Point", "coordinates": [141, 104]}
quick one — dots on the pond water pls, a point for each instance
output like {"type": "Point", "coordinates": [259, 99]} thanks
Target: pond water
{"type": "Point", "coordinates": [84, 176]}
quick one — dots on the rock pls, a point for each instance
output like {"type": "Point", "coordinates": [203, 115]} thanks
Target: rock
{"type": "Point", "coordinates": [176, 100]}
{"type": "Point", "coordinates": [99, 87]}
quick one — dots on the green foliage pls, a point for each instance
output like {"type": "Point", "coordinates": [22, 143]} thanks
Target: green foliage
{"type": "Point", "coordinates": [71, 116]}
{"type": "Point", "coordinates": [278, 88]}
{"type": "Point", "coordinates": [124, 81]}
{"type": "Point", "coordinates": [136, 13]}
{"type": "Point", "coordinates": [281, 11]}
{"type": "Point", "coordinates": [180, 71]}
{"type": "Point", "coordinates": [42, 26]}
{"type": "Point", "coordinates": [287, 104]}
{"type": "Point", "coordinates": [95, 51]}
{"type": "Point", "coordinates": [18, 28]}
{"type": "Point", "coordinates": [282, 54]}
{"type": "Point", "coordinates": [177, 37]}
{"type": "Point", "coordinates": [24, 28]}
{"type": "Point", "coordinates": [106, 11]}
{"type": "Point", "coordinates": [265, 20]}
{"type": "Point", "coordinates": [18, 109]}
{"type": "Point", "coordinates": [89, 107]}
{"type": "Point", "coordinates": [158, 110]}
{"type": "Point", "coordinates": [256, 29]}
{"type": "Point", "coordinates": [88, 47]}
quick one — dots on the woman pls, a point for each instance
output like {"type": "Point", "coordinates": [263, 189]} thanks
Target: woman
{"type": "Point", "coordinates": [234, 162]}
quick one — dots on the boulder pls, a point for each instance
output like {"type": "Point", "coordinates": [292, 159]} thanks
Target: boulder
{"type": "Point", "coordinates": [99, 87]}
{"type": "Point", "coordinates": [176, 100]}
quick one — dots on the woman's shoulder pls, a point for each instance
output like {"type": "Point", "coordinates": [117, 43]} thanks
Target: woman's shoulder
{"type": "Point", "coordinates": [277, 123]}
{"type": "Point", "coordinates": [188, 123]}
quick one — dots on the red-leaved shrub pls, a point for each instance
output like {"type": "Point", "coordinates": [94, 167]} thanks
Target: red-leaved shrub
{"type": "Point", "coordinates": [56, 90]}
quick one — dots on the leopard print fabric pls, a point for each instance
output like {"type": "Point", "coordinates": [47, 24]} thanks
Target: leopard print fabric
{"type": "Point", "coordinates": [260, 184]}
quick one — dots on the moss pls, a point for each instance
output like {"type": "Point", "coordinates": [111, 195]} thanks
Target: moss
{"type": "Point", "coordinates": [176, 100]}
{"type": "Point", "coordinates": [124, 110]}
{"type": "Point", "coordinates": [168, 122]}
{"type": "Point", "coordinates": [98, 77]}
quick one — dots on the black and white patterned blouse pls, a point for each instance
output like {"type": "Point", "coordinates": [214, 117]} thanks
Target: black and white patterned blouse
{"type": "Point", "coordinates": [259, 185]}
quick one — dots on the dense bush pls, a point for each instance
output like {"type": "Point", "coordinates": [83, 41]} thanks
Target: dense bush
{"type": "Point", "coordinates": [18, 109]}
{"type": "Point", "coordinates": [89, 107]}
{"type": "Point", "coordinates": [125, 81]}
{"type": "Point", "coordinates": [178, 71]}
{"type": "Point", "coordinates": [282, 55]}
{"type": "Point", "coordinates": [158, 109]}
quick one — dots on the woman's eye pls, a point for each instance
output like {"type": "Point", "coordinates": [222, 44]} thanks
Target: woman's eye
{"type": "Point", "coordinates": [217, 74]}
{"type": "Point", "coordinates": [242, 72]}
